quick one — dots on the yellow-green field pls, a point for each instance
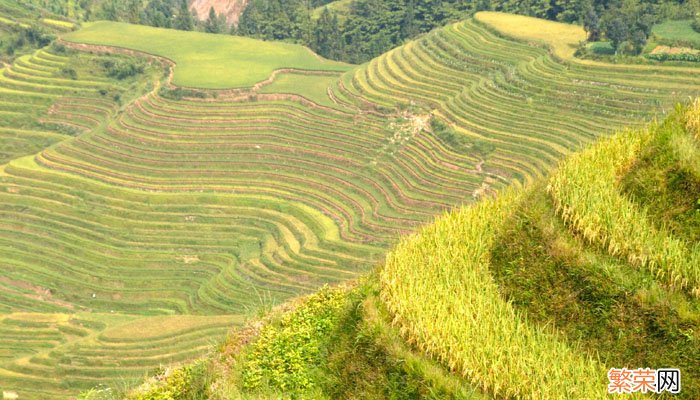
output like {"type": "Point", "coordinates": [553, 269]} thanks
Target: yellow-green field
{"type": "Point", "coordinates": [204, 60]}
{"type": "Point", "coordinates": [158, 206]}
{"type": "Point", "coordinates": [562, 38]}
{"type": "Point", "coordinates": [59, 24]}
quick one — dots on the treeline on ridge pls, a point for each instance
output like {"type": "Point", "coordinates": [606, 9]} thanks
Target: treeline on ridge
{"type": "Point", "coordinates": [369, 28]}
{"type": "Point", "coordinates": [363, 29]}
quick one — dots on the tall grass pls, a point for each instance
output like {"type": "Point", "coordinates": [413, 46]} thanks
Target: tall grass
{"type": "Point", "coordinates": [438, 287]}
{"type": "Point", "coordinates": [585, 193]}
{"type": "Point", "coordinates": [692, 117]}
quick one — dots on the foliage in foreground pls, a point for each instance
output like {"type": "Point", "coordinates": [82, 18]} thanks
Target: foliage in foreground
{"type": "Point", "coordinates": [584, 193]}
{"type": "Point", "coordinates": [438, 287]}
{"type": "Point", "coordinates": [285, 353]}
{"type": "Point", "coordinates": [338, 343]}
{"type": "Point", "coordinates": [438, 284]}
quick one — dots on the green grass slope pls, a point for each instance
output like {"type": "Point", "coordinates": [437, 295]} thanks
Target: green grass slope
{"type": "Point", "coordinates": [205, 60]}
{"type": "Point", "coordinates": [677, 33]}
{"type": "Point", "coordinates": [337, 343]}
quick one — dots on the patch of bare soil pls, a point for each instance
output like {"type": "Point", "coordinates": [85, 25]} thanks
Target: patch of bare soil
{"type": "Point", "coordinates": [232, 9]}
{"type": "Point", "coordinates": [38, 292]}
{"type": "Point", "coordinates": [188, 259]}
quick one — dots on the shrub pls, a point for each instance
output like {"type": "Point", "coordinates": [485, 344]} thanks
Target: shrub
{"type": "Point", "coordinates": [696, 23]}
{"type": "Point", "coordinates": [122, 69]}
{"type": "Point", "coordinates": [69, 73]}
{"type": "Point", "coordinates": [286, 354]}
{"type": "Point", "coordinates": [180, 93]}
{"type": "Point", "coordinates": [188, 382]}
{"type": "Point", "coordinates": [58, 48]}
{"type": "Point", "coordinates": [688, 57]}
{"type": "Point", "coordinates": [38, 36]}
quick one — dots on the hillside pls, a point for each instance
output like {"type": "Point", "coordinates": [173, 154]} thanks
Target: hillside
{"type": "Point", "coordinates": [592, 280]}
{"type": "Point", "coordinates": [142, 219]}
{"type": "Point", "coordinates": [482, 82]}
{"type": "Point", "coordinates": [548, 284]}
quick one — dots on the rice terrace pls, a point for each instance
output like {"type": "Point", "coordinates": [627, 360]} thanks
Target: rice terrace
{"type": "Point", "coordinates": [478, 204]}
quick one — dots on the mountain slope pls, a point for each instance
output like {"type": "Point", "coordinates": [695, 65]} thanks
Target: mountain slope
{"type": "Point", "coordinates": [518, 284]}
{"type": "Point", "coordinates": [189, 207]}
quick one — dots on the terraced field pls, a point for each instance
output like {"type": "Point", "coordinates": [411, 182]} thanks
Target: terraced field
{"type": "Point", "coordinates": [209, 207]}
{"type": "Point", "coordinates": [125, 205]}
{"type": "Point", "coordinates": [529, 105]}
{"type": "Point", "coordinates": [69, 352]}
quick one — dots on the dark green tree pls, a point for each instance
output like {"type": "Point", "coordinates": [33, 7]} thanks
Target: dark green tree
{"type": "Point", "coordinates": [591, 23]}
{"type": "Point", "coordinates": [215, 23]}
{"type": "Point", "coordinates": [133, 11]}
{"type": "Point", "coordinates": [324, 34]}
{"type": "Point", "coordinates": [110, 10]}
{"type": "Point", "coordinates": [639, 40]}
{"type": "Point", "coordinates": [617, 32]}
{"type": "Point", "coordinates": [184, 20]}
{"type": "Point", "coordinates": [158, 13]}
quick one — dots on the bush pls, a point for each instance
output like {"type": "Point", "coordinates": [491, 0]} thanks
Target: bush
{"type": "Point", "coordinates": [286, 354]}
{"type": "Point", "coordinates": [188, 382]}
{"type": "Point", "coordinates": [38, 36]}
{"type": "Point", "coordinates": [688, 57]}
{"type": "Point", "coordinates": [69, 73]}
{"type": "Point", "coordinates": [58, 48]}
{"type": "Point", "coordinates": [122, 69]}
{"type": "Point", "coordinates": [696, 23]}
{"type": "Point", "coordinates": [180, 93]}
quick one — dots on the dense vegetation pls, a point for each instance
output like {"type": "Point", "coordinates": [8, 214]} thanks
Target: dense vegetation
{"type": "Point", "coordinates": [338, 343]}
{"type": "Point", "coordinates": [26, 27]}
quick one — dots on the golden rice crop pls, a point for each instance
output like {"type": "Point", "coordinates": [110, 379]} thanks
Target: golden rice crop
{"type": "Point", "coordinates": [693, 119]}
{"type": "Point", "coordinates": [585, 193]}
{"type": "Point", "coordinates": [438, 287]}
